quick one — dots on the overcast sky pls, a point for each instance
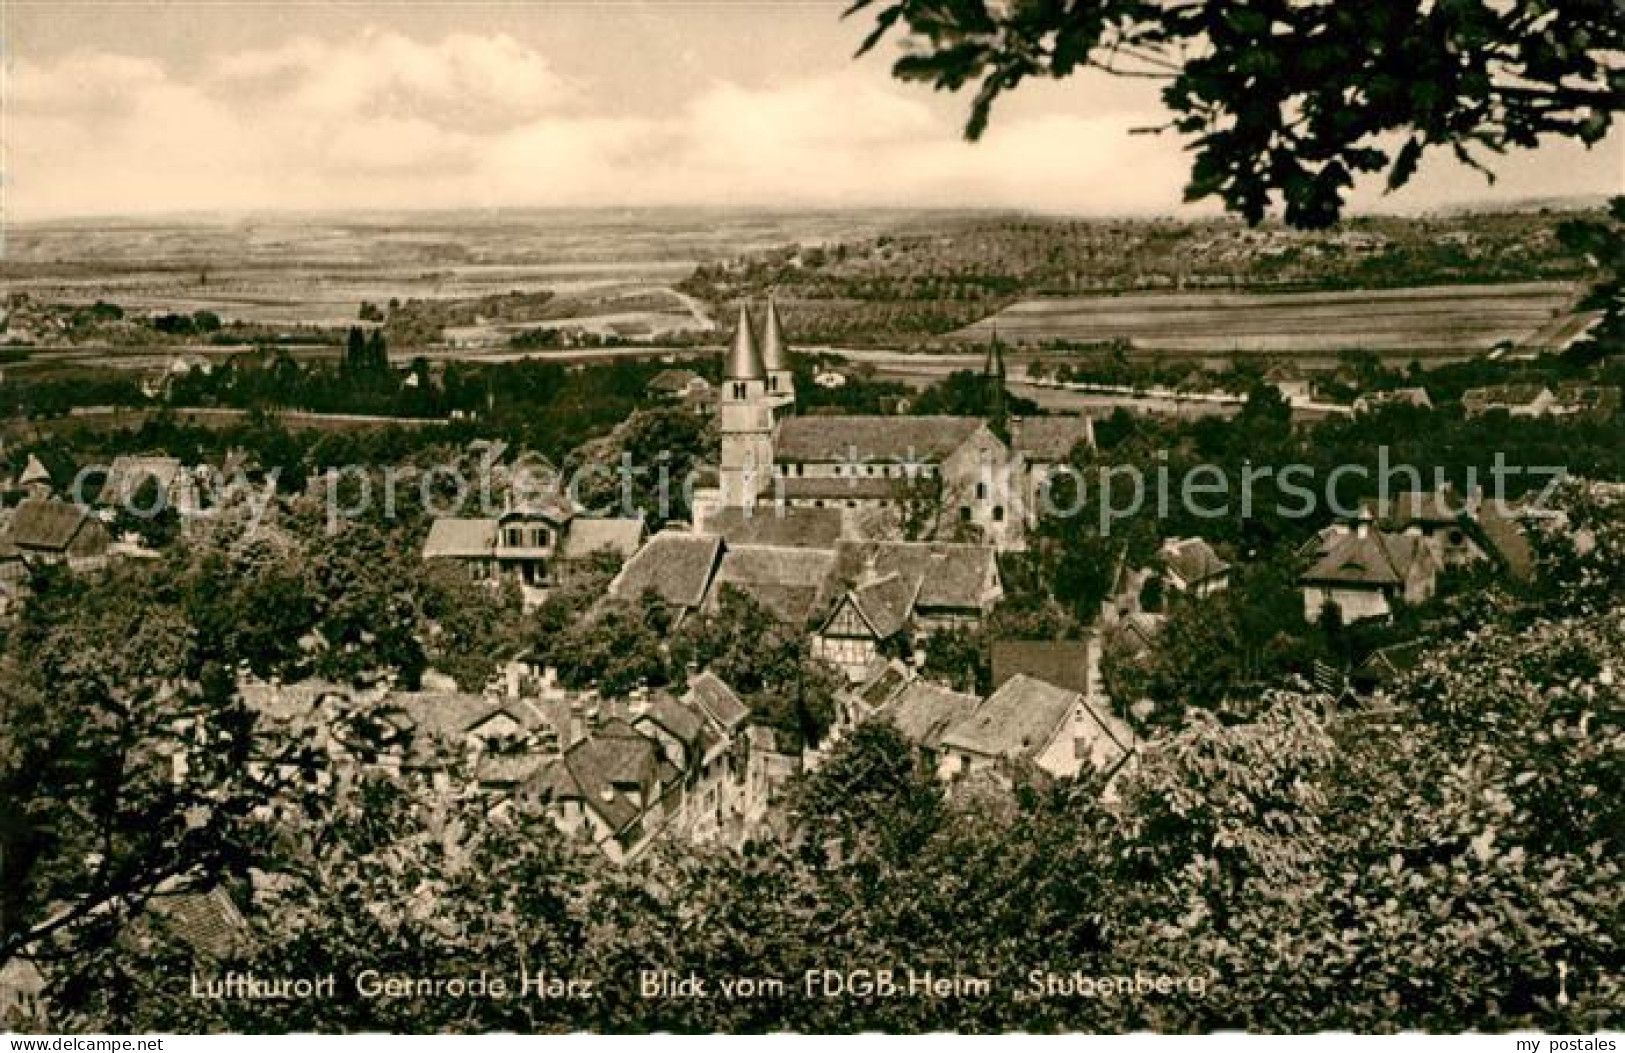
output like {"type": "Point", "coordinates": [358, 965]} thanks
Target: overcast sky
{"type": "Point", "coordinates": [127, 108]}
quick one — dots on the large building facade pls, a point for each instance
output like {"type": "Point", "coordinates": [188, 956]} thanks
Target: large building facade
{"type": "Point", "coordinates": [967, 478]}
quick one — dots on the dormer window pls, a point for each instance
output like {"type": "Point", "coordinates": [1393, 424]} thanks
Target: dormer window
{"type": "Point", "coordinates": [739, 391]}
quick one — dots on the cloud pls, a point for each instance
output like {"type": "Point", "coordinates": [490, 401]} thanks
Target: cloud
{"type": "Point", "coordinates": [383, 120]}
{"type": "Point", "coordinates": [462, 82]}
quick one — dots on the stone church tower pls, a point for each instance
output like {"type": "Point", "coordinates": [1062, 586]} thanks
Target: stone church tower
{"type": "Point", "coordinates": [781, 382]}
{"type": "Point", "coordinates": [747, 418]}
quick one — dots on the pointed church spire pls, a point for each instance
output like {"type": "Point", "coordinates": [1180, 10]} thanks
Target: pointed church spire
{"type": "Point", "coordinates": [744, 360]}
{"type": "Point", "coordinates": [993, 377]}
{"type": "Point", "coordinates": [993, 366]}
{"type": "Point", "coordinates": [775, 354]}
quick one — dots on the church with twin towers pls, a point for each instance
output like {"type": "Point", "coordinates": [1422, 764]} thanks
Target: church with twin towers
{"type": "Point", "coordinates": [979, 478]}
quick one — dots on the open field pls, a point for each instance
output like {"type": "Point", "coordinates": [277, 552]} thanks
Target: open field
{"type": "Point", "coordinates": [1423, 322]}
{"type": "Point", "coordinates": [293, 270]}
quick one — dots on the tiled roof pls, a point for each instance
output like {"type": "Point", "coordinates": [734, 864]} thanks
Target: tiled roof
{"type": "Point", "coordinates": [684, 724]}
{"type": "Point", "coordinates": [676, 566]}
{"type": "Point", "coordinates": [460, 538]}
{"type": "Point", "coordinates": [510, 768]}
{"type": "Point", "coordinates": [868, 438]}
{"type": "Point", "coordinates": [587, 536]}
{"type": "Point", "coordinates": [1070, 664]}
{"type": "Point", "coordinates": [886, 680]}
{"type": "Point", "coordinates": [782, 525]}
{"type": "Point", "coordinates": [43, 523]}
{"type": "Point", "coordinates": [924, 712]}
{"type": "Point", "coordinates": [1017, 720]}
{"type": "Point", "coordinates": [608, 767]}
{"type": "Point", "coordinates": [1378, 559]}
{"type": "Point", "coordinates": [1051, 440]}
{"type": "Point", "coordinates": [951, 576]}
{"type": "Point", "coordinates": [787, 581]}
{"type": "Point", "coordinates": [718, 700]}
{"type": "Point", "coordinates": [1193, 559]}
{"type": "Point", "coordinates": [886, 603]}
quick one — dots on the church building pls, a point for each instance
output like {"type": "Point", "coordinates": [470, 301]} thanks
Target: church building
{"type": "Point", "coordinates": [975, 478]}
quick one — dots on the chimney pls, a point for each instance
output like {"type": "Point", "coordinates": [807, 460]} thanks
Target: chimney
{"type": "Point", "coordinates": [1362, 523]}
{"type": "Point", "coordinates": [1015, 432]}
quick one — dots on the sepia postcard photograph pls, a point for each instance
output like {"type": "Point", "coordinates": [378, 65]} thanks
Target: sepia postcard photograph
{"type": "Point", "coordinates": [740, 517]}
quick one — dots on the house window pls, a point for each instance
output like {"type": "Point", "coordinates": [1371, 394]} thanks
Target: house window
{"type": "Point", "coordinates": [998, 513]}
{"type": "Point", "coordinates": [837, 469]}
{"type": "Point", "coordinates": [981, 491]}
{"type": "Point", "coordinates": [515, 537]}
{"type": "Point", "coordinates": [964, 514]}
{"type": "Point", "coordinates": [739, 391]}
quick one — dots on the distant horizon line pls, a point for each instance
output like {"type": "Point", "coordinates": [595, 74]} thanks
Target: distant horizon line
{"type": "Point", "coordinates": [1563, 203]}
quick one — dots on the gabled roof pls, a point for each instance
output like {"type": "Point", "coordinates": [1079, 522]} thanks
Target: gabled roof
{"type": "Point", "coordinates": [781, 525]}
{"type": "Point", "coordinates": [717, 700]}
{"type": "Point", "coordinates": [684, 724]}
{"type": "Point", "coordinates": [950, 576]}
{"type": "Point", "coordinates": [787, 581]}
{"type": "Point", "coordinates": [606, 769]}
{"type": "Point", "coordinates": [46, 524]}
{"type": "Point", "coordinates": [1017, 720]}
{"type": "Point", "coordinates": [587, 536]}
{"type": "Point", "coordinates": [1377, 559]}
{"type": "Point", "coordinates": [34, 472]}
{"type": "Point", "coordinates": [885, 680]}
{"type": "Point", "coordinates": [676, 566]}
{"type": "Point", "coordinates": [922, 712]}
{"type": "Point", "coordinates": [1392, 662]}
{"type": "Point", "coordinates": [887, 603]}
{"type": "Point", "coordinates": [1069, 664]}
{"type": "Point", "coordinates": [1051, 440]}
{"type": "Point", "coordinates": [460, 538]}
{"type": "Point", "coordinates": [1193, 559]}
{"type": "Point", "coordinates": [867, 438]}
